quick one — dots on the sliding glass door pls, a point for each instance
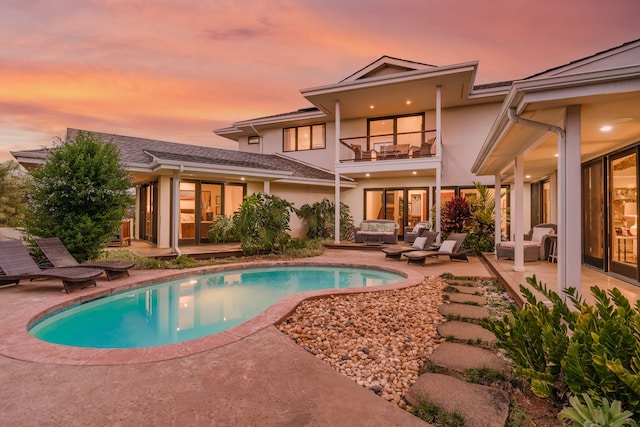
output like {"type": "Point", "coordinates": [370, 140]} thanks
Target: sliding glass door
{"type": "Point", "coordinates": [623, 233]}
{"type": "Point", "coordinates": [593, 214]}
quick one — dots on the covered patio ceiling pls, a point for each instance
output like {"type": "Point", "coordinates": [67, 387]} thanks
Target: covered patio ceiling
{"type": "Point", "coordinates": [614, 103]}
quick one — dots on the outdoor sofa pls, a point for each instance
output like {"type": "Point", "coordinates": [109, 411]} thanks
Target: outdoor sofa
{"type": "Point", "coordinates": [377, 231]}
{"type": "Point", "coordinates": [537, 244]}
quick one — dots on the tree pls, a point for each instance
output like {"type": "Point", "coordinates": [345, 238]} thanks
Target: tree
{"type": "Point", "coordinates": [79, 195]}
{"type": "Point", "coordinates": [13, 194]}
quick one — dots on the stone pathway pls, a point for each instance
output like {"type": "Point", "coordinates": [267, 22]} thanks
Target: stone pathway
{"type": "Point", "coordinates": [466, 348]}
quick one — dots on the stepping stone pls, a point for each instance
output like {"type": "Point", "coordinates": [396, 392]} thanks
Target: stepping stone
{"type": "Point", "coordinates": [461, 356]}
{"type": "Point", "coordinates": [466, 298]}
{"type": "Point", "coordinates": [465, 331]}
{"type": "Point", "coordinates": [465, 311]}
{"type": "Point", "coordinates": [472, 290]}
{"type": "Point", "coordinates": [480, 405]}
{"type": "Point", "coordinates": [459, 282]}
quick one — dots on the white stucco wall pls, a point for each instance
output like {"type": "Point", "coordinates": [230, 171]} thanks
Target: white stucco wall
{"type": "Point", "coordinates": [463, 132]}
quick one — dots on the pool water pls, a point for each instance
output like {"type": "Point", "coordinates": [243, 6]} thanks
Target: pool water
{"type": "Point", "coordinates": [192, 307]}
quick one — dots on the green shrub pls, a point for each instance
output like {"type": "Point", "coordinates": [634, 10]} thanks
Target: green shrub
{"type": "Point", "coordinates": [14, 184]}
{"type": "Point", "coordinates": [185, 261]}
{"type": "Point", "coordinates": [79, 195]}
{"type": "Point", "coordinates": [320, 220]}
{"type": "Point", "coordinates": [595, 349]}
{"type": "Point", "coordinates": [589, 415]}
{"type": "Point", "coordinates": [222, 230]}
{"type": "Point", "coordinates": [262, 223]}
{"type": "Point", "coordinates": [142, 262]}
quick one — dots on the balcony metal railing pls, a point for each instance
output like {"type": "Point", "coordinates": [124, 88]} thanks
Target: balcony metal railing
{"type": "Point", "coordinates": [407, 145]}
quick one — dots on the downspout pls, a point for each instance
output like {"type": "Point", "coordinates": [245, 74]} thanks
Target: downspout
{"type": "Point", "coordinates": [259, 136]}
{"type": "Point", "coordinates": [562, 189]}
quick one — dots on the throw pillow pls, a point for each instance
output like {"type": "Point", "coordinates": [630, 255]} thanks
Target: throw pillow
{"type": "Point", "coordinates": [447, 246]}
{"type": "Point", "coordinates": [419, 243]}
{"type": "Point", "coordinates": [419, 226]}
{"type": "Point", "coordinates": [539, 232]}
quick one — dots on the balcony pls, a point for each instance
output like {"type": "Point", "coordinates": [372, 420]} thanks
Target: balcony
{"type": "Point", "coordinates": [407, 145]}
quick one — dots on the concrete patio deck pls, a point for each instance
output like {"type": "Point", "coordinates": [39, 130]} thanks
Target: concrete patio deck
{"type": "Point", "coordinates": [261, 379]}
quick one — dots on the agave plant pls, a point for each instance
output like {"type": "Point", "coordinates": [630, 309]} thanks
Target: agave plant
{"type": "Point", "coordinates": [589, 414]}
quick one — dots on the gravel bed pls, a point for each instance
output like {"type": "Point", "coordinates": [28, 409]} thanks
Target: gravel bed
{"type": "Point", "coordinates": [380, 340]}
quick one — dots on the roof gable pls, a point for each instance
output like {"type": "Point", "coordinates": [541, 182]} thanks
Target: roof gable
{"type": "Point", "coordinates": [386, 65]}
{"type": "Point", "coordinates": [627, 54]}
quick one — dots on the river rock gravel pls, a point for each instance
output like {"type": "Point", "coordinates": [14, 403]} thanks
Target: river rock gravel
{"type": "Point", "coordinates": [380, 340]}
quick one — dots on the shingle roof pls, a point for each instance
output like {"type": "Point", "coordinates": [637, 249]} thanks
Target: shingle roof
{"type": "Point", "coordinates": [143, 150]}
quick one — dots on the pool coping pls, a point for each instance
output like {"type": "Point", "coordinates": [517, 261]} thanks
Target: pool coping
{"type": "Point", "coordinates": [19, 344]}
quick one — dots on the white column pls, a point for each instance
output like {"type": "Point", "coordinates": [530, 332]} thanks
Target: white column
{"type": "Point", "coordinates": [437, 201]}
{"type": "Point", "coordinates": [439, 164]}
{"type": "Point", "coordinates": [337, 175]}
{"type": "Point", "coordinates": [439, 121]}
{"type": "Point", "coordinates": [175, 212]}
{"type": "Point", "coordinates": [497, 198]}
{"type": "Point", "coordinates": [518, 211]}
{"type": "Point", "coordinates": [570, 204]}
{"type": "Point", "coordinates": [267, 187]}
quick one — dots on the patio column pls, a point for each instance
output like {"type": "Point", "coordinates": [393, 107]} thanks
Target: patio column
{"type": "Point", "coordinates": [266, 187]}
{"type": "Point", "coordinates": [497, 197]}
{"type": "Point", "coordinates": [175, 212]}
{"type": "Point", "coordinates": [439, 121]}
{"type": "Point", "coordinates": [518, 214]}
{"type": "Point", "coordinates": [570, 203]}
{"type": "Point", "coordinates": [336, 233]}
{"type": "Point", "coordinates": [439, 164]}
{"type": "Point", "coordinates": [437, 201]}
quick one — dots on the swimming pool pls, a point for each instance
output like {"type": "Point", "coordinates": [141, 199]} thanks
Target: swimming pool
{"type": "Point", "coordinates": [193, 307]}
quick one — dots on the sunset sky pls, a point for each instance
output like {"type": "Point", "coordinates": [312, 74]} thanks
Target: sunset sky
{"type": "Point", "coordinates": [177, 69]}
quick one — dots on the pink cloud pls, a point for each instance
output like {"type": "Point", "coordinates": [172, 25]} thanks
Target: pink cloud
{"type": "Point", "coordinates": [176, 69]}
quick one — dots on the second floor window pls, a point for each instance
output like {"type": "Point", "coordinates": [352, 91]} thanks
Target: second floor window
{"type": "Point", "coordinates": [304, 138]}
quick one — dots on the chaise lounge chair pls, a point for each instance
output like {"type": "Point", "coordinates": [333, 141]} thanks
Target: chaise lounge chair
{"type": "Point", "coordinates": [59, 257]}
{"type": "Point", "coordinates": [17, 264]}
{"type": "Point", "coordinates": [424, 242]}
{"type": "Point", "coordinates": [452, 247]}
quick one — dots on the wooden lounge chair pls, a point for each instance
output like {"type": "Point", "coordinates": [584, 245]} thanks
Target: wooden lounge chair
{"type": "Point", "coordinates": [450, 247]}
{"type": "Point", "coordinates": [17, 264]}
{"type": "Point", "coordinates": [59, 257]}
{"type": "Point", "coordinates": [424, 242]}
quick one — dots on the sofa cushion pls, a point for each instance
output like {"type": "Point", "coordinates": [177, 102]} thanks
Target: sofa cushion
{"type": "Point", "coordinates": [539, 233]}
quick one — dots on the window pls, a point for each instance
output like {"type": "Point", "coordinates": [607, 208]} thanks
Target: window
{"type": "Point", "coordinates": [303, 138]}
{"type": "Point", "coordinates": [254, 140]}
{"type": "Point", "coordinates": [396, 130]}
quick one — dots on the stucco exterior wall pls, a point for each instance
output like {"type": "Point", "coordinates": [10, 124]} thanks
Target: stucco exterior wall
{"type": "Point", "coordinates": [463, 133]}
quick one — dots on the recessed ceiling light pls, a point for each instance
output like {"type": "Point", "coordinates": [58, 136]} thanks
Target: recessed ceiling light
{"type": "Point", "coordinates": [555, 155]}
{"type": "Point", "coordinates": [367, 174]}
{"type": "Point", "coordinates": [606, 128]}
{"type": "Point", "coordinates": [527, 176]}
{"type": "Point", "coordinates": [371, 106]}
{"type": "Point", "coordinates": [242, 178]}
{"type": "Point", "coordinates": [408, 102]}
{"type": "Point", "coordinates": [414, 173]}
